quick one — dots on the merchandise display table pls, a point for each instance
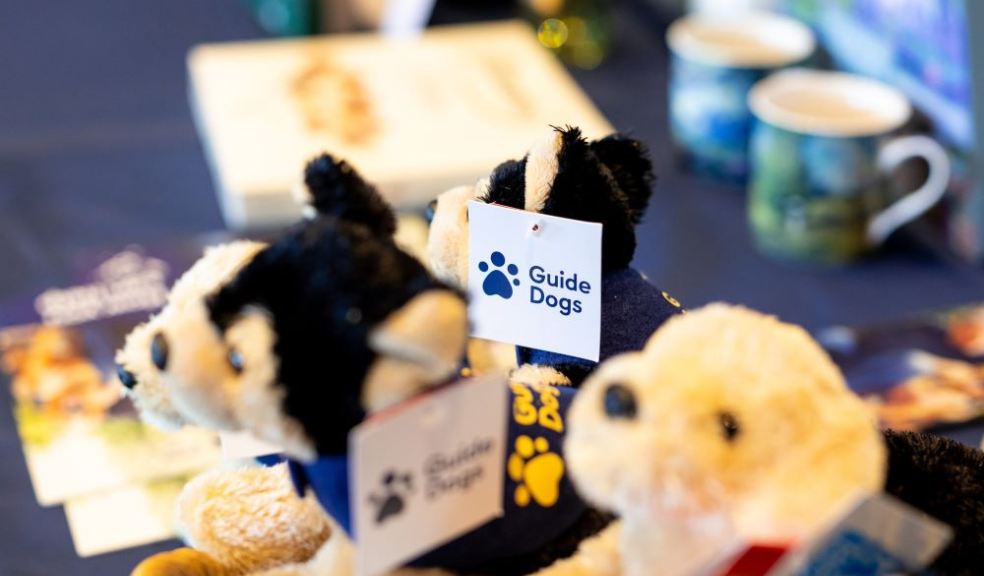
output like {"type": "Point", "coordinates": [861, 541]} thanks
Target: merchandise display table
{"type": "Point", "coordinates": [98, 148]}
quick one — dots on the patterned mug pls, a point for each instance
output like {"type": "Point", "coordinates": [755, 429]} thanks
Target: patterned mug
{"type": "Point", "coordinates": [821, 152]}
{"type": "Point", "coordinates": [715, 62]}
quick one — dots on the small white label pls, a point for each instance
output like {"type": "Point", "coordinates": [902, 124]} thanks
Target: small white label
{"type": "Point", "coordinates": [406, 18]}
{"type": "Point", "coordinates": [240, 445]}
{"type": "Point", "coordinates": [535, 280]}
{"type": "Point", "coordinates": [427, 472]}
{"type": "Point", "coordinates": [880, 531]}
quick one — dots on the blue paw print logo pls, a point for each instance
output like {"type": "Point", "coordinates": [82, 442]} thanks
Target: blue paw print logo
{"type": "Point", "coordinates": [497, 283]}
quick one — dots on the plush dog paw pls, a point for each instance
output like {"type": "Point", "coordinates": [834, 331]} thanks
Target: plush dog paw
{"type": "Point", "coordinates": [251, 519]}
{"type": "Point", "coordinates": [182, 562]}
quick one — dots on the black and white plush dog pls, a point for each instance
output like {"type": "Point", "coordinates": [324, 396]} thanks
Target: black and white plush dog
{"type": "Point", "coordinates": [607, 181]}
{"type": "Point", "coordinates": [331, 187]}
{"type": "Point", "coordinates": [333, 322]}
{"type": "Point", "coordinates": [328, 286]}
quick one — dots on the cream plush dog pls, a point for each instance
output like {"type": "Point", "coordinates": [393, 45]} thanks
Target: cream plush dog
{"type": "Point", "coordinates": [729, 426]}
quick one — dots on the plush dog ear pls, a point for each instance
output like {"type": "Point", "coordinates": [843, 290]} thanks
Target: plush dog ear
{"type": "Point", "coordinates": [542, 164]}
{"type": "Point", "coordinates": [525, 184]}
{"type": "Point", "coordinates": [336, 189]}
{"type": "Point", "coordinates": [506, 184]}
{"type": "Point", "coordinates": [628, 161]}
{"type": "Point", "coordinates": [429, 331]}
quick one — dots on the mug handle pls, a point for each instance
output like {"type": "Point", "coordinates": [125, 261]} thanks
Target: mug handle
{"type": "Point", "coordinates": [918, 201]}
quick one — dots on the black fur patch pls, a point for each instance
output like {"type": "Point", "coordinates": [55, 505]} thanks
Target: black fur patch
{"type": "Point", "coordinates": [507, 184]}
{"type": "Point", "coordinates": [607, 181]}
{"type": "Point", "coordinates": [338, 190]}
{"type": "Point", "coordinates": [591, 523]}
{"type": "Point", "coordinates": [628, 161]}
{"type": "Point", "coordinates": [944, 479]}
{"type": "Point", "coordinates": [326, 284]}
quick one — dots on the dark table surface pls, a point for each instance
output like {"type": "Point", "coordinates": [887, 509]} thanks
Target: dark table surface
{"type": "Point", "coordinates": [97, 148]}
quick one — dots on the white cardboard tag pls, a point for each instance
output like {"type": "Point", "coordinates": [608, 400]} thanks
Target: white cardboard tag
{"type": "Point", "coordinates": [427, 472]}
{"type": "Point", "coordinates": [535, 280]}
{"type": "Point", "coordinates": [406, 18]}
{"type": "Point", "coordinates": [881, 532]}
{"type": "Point", "coordinates": [240, 445]}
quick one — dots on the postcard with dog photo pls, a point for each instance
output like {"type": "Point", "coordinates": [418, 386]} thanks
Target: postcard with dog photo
{"type": "Point", "coordinates": [79, 434]}
{"type": "Point", "coordinates": [921, 373]}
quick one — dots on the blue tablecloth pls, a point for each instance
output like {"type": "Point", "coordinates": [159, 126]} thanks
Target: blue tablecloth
{"type": "Point", "coordinates": [97, 148]}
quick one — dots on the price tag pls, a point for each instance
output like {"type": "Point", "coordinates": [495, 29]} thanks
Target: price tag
{"type": "Point", "coordinates": [535, 280]}
{"type": "Point", "coordinates": [427, 472]}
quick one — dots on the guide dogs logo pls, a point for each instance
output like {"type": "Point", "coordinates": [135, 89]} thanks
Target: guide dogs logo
{"type": "Point", "coordinates": [496, 282]}
{"type": "Point", "coordinates": [537, 472]}
{"type": "Point", "coordinates": [389, 501]}
{"type": "Point", "coordinates": [546, 287]}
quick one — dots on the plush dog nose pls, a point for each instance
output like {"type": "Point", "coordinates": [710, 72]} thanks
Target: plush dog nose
{"type": "Point", "coordinates": [429, 212]}
{"type": "Point", "coordinates": [158, 351]}
{"type": "Point", "coordinates": [126, 377]}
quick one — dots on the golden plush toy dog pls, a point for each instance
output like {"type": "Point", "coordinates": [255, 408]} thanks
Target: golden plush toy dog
{"type": "Point", "coordinates": [732, 427]}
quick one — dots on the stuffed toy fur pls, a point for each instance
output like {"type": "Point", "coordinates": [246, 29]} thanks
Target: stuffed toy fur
{"type": "Point", "coordinates": [388, 331]}
{"type": "Point", "coordinates": [135, 368]}
{"type": "Point", "coordinates": [323, 327]}
{"type": "Point", "coordinates": [734, 426]}
{"type": "Point", "coordinates": [326, 182]}
{"type": "Point", "coordinates": [285, 529]}
{"type": "Point", "coordinates": [607, 181]}
{"type": "Point", "coordinates": [945, 479]}
{"type": "Point", "coordinates": [242, 521]}
{"type": "Point", "coordinates": [239, 520]}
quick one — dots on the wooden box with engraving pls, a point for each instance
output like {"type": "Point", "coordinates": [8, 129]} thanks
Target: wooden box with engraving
{"type": "Point", "coordinates": [415, 116]}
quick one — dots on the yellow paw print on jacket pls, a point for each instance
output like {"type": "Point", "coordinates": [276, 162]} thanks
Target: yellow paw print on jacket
{"type": "Point", "coordinates": [537, 470]}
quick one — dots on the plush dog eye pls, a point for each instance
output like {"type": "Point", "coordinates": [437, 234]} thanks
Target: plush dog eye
{"type": "Point", "coordinates": [158, 351]}
{"type": "Point", "coordinates": [620, 402]}
{"type": "Point", "coordinates": [235, 359]}
{"type": "Point", "coordinates": [730, 428]}
{"type": "Point", "coordinates": [126, 377]}
{"type": "Point", "coordinates": [431, 210]}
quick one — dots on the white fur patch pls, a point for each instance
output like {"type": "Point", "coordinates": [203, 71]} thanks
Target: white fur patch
{"type": "Point", "coordinates": [541, 170]}
{"type": "Point", "coordinates": [197, 373]}
{"type": "Point", "coordinates": [258, 399]}
{"type": "Point", "coordinates": [536, 375]}
{"type": "Point", "coordinates": [430, 331]}
{"type": "Point", "coordinates": [149, 394]}
{"type": "Point", "coordinates": [447, 239]}
{"type": "Point", "coordinates": [152, 396]}
{"type": "Point", "coordinates": [212, 270]}
{"type": "Point", "coordinates": [419, 345]}
{"type": "Point", "coordinates": [391, 381]}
